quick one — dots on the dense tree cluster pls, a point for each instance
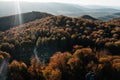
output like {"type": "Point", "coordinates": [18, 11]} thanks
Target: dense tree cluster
{"type": "Point", "coordinates": [82, 45]}
{"type": "Point", "coordinates": [110, 67]}
{"type": "Point", "coordinates": [67, 66]}
{"type": "Point", "coordinates": [4, 55]}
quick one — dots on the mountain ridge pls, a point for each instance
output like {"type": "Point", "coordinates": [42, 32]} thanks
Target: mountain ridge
{"type": "Point", "coordinates": [13, 20]}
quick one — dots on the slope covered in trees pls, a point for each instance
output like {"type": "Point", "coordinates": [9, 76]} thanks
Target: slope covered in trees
{"type": "Point", "coordinates": [8, 22]}
{"type": "Point", "coordinates": [63, 48]}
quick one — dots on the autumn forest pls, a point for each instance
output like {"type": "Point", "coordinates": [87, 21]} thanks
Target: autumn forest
{"type": "Point", "coordinates": [61, 48]}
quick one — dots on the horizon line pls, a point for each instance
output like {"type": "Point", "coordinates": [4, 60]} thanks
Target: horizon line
{"type": "Point", "coordinates": [80, 4]}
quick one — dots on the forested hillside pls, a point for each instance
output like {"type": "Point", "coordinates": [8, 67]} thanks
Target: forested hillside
{"type": "Point", "coordinates": [8, 22]}
{"type": "Point", "coordinates": [62, 48]}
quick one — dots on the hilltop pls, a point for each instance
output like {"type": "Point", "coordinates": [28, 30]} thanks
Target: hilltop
{"type": "Point", "coordinates": [8, 22]}
{"type": "Point", "coordinates": [88, 17]}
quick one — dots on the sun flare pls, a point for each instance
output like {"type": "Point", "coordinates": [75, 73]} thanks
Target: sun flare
{"type": "Point", "coordinates": [18, 11]}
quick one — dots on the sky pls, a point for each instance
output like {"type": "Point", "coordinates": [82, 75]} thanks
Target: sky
{"type": "Point", "coordinates": [81, 2]}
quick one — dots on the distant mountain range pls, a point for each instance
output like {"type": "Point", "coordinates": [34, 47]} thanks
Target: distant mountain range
{"type": "Point", "coordinates": [74, 10]}
{"type": "Point", "coordinates": [12, 12]}
{"type": "Point", "coordinates": [109, 17]}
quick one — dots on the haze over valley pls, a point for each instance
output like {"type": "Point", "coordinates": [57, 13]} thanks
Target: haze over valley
{"type": "Point", "coordinates": [67, 9]}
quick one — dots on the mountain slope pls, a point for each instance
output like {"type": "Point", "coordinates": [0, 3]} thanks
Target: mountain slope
{"type": "Point", "coordinates": [58, 33]}
{"type": "Point", "coordinates": [9, 21]}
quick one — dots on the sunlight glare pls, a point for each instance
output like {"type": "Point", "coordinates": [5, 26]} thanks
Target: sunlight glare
{"type": "Point", "coordinates": [18, 11]}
